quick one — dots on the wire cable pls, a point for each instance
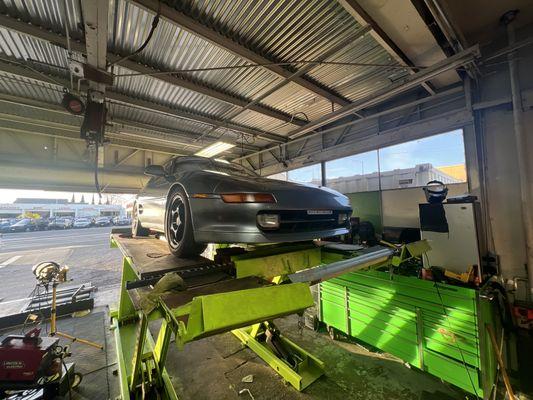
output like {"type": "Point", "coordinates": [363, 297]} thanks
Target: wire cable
{"type": "Point", "coordinates": [155, 22]}
{"type": "Point", "coordinates": [68, 378]}
{"type": "Point", "coordinates": [273, 64]}
{"type": "Point", "coordinates": [96, 183]}
{"type": "Point", "coordinates": [450, 328]}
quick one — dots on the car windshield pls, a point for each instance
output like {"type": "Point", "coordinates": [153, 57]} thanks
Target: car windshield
{"type": "Point", "coordinates": [210, 164]}
{"type": "Point", "coordinates": [82, 220]}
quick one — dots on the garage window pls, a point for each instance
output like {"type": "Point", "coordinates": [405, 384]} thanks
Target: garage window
{"type": "Point", "coordinates": [311, 174]}
{"type": "Point", "coordinates": [357, 173]}
{"type": "Point", "coordinates": [411, 164]}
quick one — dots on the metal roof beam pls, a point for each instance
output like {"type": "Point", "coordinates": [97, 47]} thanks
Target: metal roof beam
{"type": "Point", "coordinates": [195, 27]}
{"type": "Point", "coordinates": [362, 17]}
{"type": "Point", "coordinates": [463, 58]}
{"type": "Point", "coordinates": [143, 141]}
{"type": "Point", "coordinates": [79, 47]}
{"type": "Point", "coordinates": [95, 16]}
{"type": "Point", "coordinates": [15, 68]}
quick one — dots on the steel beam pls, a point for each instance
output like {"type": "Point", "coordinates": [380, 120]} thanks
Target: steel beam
{"type": "Point", "coordinates": [66, 176]}
{"type": "Point", "coordinates": [412, 131]}
{"type": "Point", "coordinates": [79, 47]}
{"type": "Point", "coordinates": [15, 67]}
{"type": "Point", "coordinates": [362, 17]}
{"type": "Point", "coordinates": [414, 80]}
{"type": "Point", "coordinates": [178, 137]}
{"type": "Point", "coordinates": [196, 28]}
{"type": "Point", "coordinates": [305, 138]}
{"type": "Point", "coordinates": [306, 68]}
{"type": "Point", "coordinates": [95, 16]}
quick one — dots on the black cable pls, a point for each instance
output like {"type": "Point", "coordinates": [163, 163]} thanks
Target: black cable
{"type": "Point", "coordinates": [68, 378]}
{"type": "Point", "coordinates": [96, 183]}
{"type": "Point", "coordinates": [155, 22]}
{"type": "Point", "coordinates": [450, 327]}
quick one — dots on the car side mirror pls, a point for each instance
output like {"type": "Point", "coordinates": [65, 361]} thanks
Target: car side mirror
{"type": "Point", "coordinates": [155, 170]}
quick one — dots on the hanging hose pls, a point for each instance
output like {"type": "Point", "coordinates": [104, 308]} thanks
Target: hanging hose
{"type": "Point", "coordinates": [96, 183]}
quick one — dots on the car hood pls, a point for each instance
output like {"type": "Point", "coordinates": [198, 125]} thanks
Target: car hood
{"type": "Point", "coordinates": [287, 194]}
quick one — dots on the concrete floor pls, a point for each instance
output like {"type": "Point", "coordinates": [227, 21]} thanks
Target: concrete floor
{"type": "Point", "coordinates": [211, 368]}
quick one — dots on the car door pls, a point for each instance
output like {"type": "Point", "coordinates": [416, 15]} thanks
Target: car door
{"type": "Point", "coordinates": [151, 203]}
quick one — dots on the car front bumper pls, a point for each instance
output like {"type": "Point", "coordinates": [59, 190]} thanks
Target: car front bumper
{"type": "Point", "coordinates": [217, 222]}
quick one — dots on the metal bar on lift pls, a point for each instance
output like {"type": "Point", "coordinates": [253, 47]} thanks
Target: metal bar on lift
{"type": "Point", "coordinates": [329, 271]}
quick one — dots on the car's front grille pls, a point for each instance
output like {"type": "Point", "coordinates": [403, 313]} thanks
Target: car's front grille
{"type": "Point", "coordinates": [293, 221]}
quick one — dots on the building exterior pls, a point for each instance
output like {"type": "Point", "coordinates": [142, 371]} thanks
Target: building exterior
{"type": "Point", "coordinates": [48, 208]}
{"type": "Point", "coordinates": [417, 176]}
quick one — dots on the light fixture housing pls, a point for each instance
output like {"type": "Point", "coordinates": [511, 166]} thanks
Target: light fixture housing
{"type": "Point", "coordinates": [73, 104]}
{"type": "Point", "coordinates": [214, 149]}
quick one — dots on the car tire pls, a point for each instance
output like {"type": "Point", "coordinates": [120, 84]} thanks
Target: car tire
{"type": "Point", "coordinates": [137, 230]}
{"type": "Point", "coordinates": [178, 226]}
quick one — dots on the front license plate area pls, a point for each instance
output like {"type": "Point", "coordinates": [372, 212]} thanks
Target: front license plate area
{"type": "Point", "coordinates": [319, 212]}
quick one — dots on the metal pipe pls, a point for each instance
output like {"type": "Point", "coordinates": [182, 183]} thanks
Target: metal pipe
{"type": "Point", "coordinates": [521, 150]}
{"type": "Point", "coordinates": [329, 271]}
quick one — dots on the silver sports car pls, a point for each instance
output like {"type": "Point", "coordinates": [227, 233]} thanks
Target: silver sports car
{"type": "Point", "coordinates": [197, 200]}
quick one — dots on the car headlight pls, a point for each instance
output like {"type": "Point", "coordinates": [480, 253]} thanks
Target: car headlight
{"type": "Point", "coordinates": [342, 218]}
{"type": "Point", "coordinates": [268, 221]}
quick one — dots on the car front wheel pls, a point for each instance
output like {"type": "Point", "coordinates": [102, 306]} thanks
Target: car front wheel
{"type": "Point", "coordinates": [178, 226]}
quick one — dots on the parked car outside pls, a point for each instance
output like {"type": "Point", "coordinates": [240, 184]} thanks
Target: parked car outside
{"type": "Point", "coordinates": [5, 225]}
{"type": "Point", "coordinates": [122, 221]}
{"type": "Point", "coordinates": [60, 223]}
{"type": "Point", "coordinates": [23, 225]}
{"type": "Point", "coordinates": [102, 221]}
{"type": "Point", "coordinates": [196, 200]}
{"type": "Point", "coordinates": [41, 224]}
{"type": "Point", "coordinates": [82, 223]}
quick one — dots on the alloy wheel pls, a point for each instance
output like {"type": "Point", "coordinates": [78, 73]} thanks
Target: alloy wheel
{"type": "Point", "coordinates": [177, 221]}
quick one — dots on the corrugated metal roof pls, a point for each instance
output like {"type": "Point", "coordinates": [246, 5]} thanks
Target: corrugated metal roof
{"type": "Point", "coordinates": [280, 30]}
{"type": "Point", "coordinates": [161, 92]}
{"type": "Point", "coordinates": [23, 87]}
{"type": "Point", "coordinates": [50, 14]}
{"type": "Point", "coordinates": [183, 51]}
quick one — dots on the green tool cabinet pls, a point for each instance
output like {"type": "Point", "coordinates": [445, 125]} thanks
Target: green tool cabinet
{"type": "Point", "coordinates": [404, 316]}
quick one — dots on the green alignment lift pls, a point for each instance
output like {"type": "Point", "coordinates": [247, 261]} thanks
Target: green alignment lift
{"type": "Point", "coordinates": [191, 299]}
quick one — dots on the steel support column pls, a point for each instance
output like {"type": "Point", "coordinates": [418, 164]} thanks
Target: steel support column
{"type": "Point", "coordinates": [522, 156]}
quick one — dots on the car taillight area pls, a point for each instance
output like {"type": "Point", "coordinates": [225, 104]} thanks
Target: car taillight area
{"type": "Point", "coordinates": [289, 221]}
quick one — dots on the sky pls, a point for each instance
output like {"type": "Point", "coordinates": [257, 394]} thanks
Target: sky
{"type": "Point", "coordinates": [439, 150]}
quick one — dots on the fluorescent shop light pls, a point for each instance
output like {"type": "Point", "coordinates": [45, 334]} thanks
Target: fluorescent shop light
{"type": "Point", "coordinates": [214, 149]}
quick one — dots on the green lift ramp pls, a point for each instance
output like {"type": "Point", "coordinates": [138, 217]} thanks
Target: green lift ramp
{"type": "Point", "coordinates": [191, 299]}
